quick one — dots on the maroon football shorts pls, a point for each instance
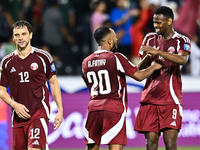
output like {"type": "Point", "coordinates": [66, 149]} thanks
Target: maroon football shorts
{"type": "Point", "coordinates": [105, 127]}
{"type": "Point", "coordinates": [154, 118]}
{"type": "Point", "coordinates": [32, 135]}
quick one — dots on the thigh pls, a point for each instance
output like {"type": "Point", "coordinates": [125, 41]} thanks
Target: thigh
{"type": "Point", "coordinates": [170, 116]}
{"type": "Point", "coordinates": [147, 119]}
{"type": "Point", "coordinates": [19, 139]}
{"type": "Point", "coordinates": [93, 127]}
{"type": "Point", "coordinates": [114, 129]}
{"type": "Point", "coordinates": [37, 134]}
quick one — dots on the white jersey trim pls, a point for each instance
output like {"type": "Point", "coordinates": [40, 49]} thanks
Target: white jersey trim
{"type": "Point", "coordinates": [47, 54]}
{"type": "Point", "coordinates": [43, 122]}
{"type": "Point", "coordinates": [44, 64]}
{"type": "Point", "coordinates": [44, 104]}
{"type": "Point", "coordinates": [175, 98]}
{"type": "Point", "coordinates": [108, 136]}
{"type": "Point", "coordinates": [120, 68]}
{"type": "Point", "coordinates": [89, 140]}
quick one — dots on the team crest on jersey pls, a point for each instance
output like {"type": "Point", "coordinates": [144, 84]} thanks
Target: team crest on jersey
{"type": "Point", "coordinates": [171, 49]}
{"type": "Point", "coordinates": [34, 66]}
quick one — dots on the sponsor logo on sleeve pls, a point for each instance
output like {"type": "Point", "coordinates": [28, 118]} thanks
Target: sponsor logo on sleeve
{"type": "Point", "coordinates": [53, 68]}
{"type": "Point", "coordinates": [187, 47]}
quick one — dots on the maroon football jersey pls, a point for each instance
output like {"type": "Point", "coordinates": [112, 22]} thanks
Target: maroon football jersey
{"type": "Point", "coordinates": [27, 81]}
{"type": "Point", "coordinates": [104, 74]}
{"type": "Point", "coordinates": [164, 86]}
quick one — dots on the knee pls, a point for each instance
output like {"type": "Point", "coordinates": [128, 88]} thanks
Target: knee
{"type": "Point", "coordinates": [151, 145]}
{"type": "Point", "coordinates": [171, 145]}
{"type": "Point", "coordinates": [34, 149]}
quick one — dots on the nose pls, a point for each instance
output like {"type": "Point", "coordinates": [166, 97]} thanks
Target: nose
{"type": "Point", "coordinates": [155, 24]}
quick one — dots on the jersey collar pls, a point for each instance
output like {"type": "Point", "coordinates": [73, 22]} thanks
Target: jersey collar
{"type": "Point", "coordinates": [100, 51]}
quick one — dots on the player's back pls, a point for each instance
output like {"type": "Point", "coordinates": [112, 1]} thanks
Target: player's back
{"type": "Point", "coordinates": [105, 82]}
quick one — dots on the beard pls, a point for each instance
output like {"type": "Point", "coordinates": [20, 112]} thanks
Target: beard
{"type": "Point", "coordinates": [22, 48]}
{"type": "Point", "coordinates": [114, 48]}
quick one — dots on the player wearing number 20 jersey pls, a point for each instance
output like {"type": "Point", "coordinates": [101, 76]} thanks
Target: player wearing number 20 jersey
{"type": "Point", "coordinates": [104, 74]}
{"type": "Point", "coordinates": [24, 74]}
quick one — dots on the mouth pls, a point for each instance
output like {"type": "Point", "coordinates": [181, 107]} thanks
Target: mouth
{"type": "Point", "coordinates": [157, 30]}
{"type": "Point", "coordinates": [21, 43]}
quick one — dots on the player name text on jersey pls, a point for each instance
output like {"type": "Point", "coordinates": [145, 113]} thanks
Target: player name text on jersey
{"type": "Point", "coordinates": [96, 63]}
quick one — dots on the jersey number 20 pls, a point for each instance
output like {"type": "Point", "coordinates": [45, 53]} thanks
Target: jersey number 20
{"type": "Point", "coordinates": [98, 80]}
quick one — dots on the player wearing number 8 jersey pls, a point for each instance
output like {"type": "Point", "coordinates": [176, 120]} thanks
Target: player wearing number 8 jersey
{"type": "Point", "coordinates": [26, 72]}
{"type": "Point", "coordinates": [104, 74]}
{"type": "Point", "coordinates": [161, 99]}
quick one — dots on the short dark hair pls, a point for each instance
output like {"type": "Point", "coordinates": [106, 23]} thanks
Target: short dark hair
{"type": "Point", "coordinates": [165, 11]}
{"type": "Point", "coordinates": [101, 33]}
{"type": "Point", "coordinates": [21, 24]}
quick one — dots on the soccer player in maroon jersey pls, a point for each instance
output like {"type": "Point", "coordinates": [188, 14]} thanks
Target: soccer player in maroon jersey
{"type": "Point", "coordinates": [104, 74]}
{"type": "Point", "coordinates": [161, 99]}
{"type": "Point", "coordinates": [26, 72]}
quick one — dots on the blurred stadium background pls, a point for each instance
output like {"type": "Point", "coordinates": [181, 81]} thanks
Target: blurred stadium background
{"type": "Point", "coordinates": [76, 46]}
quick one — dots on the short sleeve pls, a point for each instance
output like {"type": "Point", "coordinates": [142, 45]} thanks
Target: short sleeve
{"type": "Point", "coordinates": [124, 65]}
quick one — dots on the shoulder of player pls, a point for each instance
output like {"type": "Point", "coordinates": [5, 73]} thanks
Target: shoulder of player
{"type": "Point", "coordinates": [182, 37]}
{"type": "Point", "coordinates": [44, 54]}
{"type": "Point", "coordinates": [7, 57]}
{"type": "Point", "coordinates": [150, 34]}
{"type": "Point", "coordinates": [120, 55]}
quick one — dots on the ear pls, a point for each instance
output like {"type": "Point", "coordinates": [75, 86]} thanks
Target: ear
{"type": "Point", "coordinates": [110, 41]}
{"type": "Point", "coordinates": [169, 21]}
{"type": "Point", "coordinates": [31, 35]}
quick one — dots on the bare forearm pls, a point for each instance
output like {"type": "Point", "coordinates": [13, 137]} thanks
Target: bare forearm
{"type": "Point", "coordinates": [142, 74]}
{"type": "Point", "coordinates": [175, 58]}
{"type": "Point", "coordinates": [143, 63]}
{"type": "Point", "coordinates": [56, 92]}
{"type": "Point", "coordinates": [6, 98]}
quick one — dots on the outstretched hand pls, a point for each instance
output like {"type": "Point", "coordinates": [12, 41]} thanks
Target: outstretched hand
{"type": "Point", "coordinates": [58, 120]}
{"type": "Point", "coordinates": [21, 111]}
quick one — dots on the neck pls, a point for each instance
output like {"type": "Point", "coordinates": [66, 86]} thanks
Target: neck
{"type": "Point", "coordinates": [103, 48]}
{"type": "Point", "coordinates": [168, 35]}
{"type": "Point", "coordinates": [25, 52]}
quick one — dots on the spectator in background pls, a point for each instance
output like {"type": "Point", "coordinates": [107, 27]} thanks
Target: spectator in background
{"type": "Point", "coordinates": [36, 21]}
{"type": "Point", "coordinates": [137, 31]}
{"type": "Point", "coordinates": [68, 11]}
{"type": "Point", "coordinates": [195, 56]}
{"type": "Point", "coordinates": [54, 33]}
{"type": "Point", "coordinates": [6, 22]}
{"type": "Point", "coordinates": [186, 22]}
{"type": "Point", "coordinates": [97, 19]}
{"type": "Point", "coordinates": [122, 18]}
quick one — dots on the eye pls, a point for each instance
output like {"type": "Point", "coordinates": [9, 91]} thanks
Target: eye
{"type": "Point", "coordinates": [16, 35]}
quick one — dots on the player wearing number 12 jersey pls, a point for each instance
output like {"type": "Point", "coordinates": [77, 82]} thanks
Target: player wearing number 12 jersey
{"type": "Point", "coordinates": [104, 74]}
{"type": "Point", "coordinates": [25, 72]}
